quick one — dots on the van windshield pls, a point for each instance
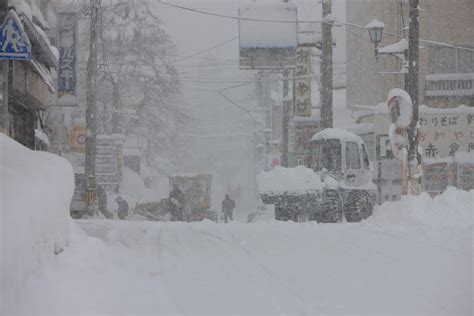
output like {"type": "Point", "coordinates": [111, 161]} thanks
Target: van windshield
{"type": "Point", "coordinates": [326, 153]}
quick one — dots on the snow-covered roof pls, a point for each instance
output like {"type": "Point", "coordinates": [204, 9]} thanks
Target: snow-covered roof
{"type": "Point", "coordinates": [395, 48]}
{"type": "Point", "coordinates": [382, 108]}
{"type": "Point", "coordinates": [55, 51]}
{"type": "Point", "coordinates": [331, 133]}
{"type": "Point", "coordinates": [298, 180]}
{"type": "Point", "coordinates": [38, 15]}
{"type": "Point", "coordinates": [257, 34]}
{"type": "Point", "coordinates": [22, 7]}
{"type": "Point", "coordinates": [44, 73]}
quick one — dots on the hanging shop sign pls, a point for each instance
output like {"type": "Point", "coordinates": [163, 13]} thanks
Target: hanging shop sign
{"type": "Point", "coordinates": [302, 88]}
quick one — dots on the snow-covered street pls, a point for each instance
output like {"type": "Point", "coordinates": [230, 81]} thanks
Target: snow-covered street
{"type": "Point", "coordinates": [410, 262]}
{"type": "Point", "coordinates": [236, 157]}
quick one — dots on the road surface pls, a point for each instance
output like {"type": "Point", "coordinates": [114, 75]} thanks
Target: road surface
{"type": "Point", "coordinates": [269, 268]}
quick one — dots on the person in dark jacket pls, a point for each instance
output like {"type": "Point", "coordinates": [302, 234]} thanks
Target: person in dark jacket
{"type": "Point", "coordinates": [228, 206]}
{"type": "Point", "coordinates": [122, 207]}
{"type": "Point", "coordinates": [177, 203]}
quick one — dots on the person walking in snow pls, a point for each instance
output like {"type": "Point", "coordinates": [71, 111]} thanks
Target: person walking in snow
{"type": "Point", "coordinates": [122, 207]}
{"type": "Point", "coordinates": [177, 203]}
{"type": "Point", "coordinates": [228, 206]}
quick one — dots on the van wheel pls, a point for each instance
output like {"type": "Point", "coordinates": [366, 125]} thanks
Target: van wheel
{"type": "Point", "coordinates": [358, 206]}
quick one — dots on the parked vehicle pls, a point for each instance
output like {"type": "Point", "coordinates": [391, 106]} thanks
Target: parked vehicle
{"type": "Point", "coordinates": [338, 183]}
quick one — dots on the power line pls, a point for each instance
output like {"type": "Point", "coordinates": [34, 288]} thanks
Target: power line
{"type": "Point", "coordinates": [205, 50]}
{"type": "Point", "coordinates": [232, 16]}
{"type": "Point", "coordinates": [305, 21]}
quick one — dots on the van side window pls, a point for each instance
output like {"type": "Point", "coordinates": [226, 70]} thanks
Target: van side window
{"type": "Point", "coordinates": [352, 156]}
{"type": "Point", "coordinates": [366, 157]}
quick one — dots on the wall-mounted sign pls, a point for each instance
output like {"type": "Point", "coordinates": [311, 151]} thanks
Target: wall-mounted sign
{"type": "Point", "coordinates": [77, 138]}
{"type": "Point", "coordinates": [302, 88]}
{"type": "Point", "coordinates": [14, 44]}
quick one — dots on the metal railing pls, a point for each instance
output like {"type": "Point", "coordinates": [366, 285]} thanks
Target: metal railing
{"type": "Point", "coordinates": [447, 85]}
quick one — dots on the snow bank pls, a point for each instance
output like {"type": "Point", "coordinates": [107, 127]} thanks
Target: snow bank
{"type": "Point", "coordinates": [133, 190]}
{"type": "Point", "coordinates": [132, 184]}
{"type": "Point", "coordinates": [36, 190]}
{"type": "Point", "coordinates": [298, 180]}
{"type": "Point", "coordinates": [452, 209]}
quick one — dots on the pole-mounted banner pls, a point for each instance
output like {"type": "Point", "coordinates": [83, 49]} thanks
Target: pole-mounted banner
{"type": "Point", "coordinates": [67, 60]}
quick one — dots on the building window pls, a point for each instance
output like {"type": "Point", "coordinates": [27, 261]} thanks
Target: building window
{"type": "Point", "coordinates": [447, 60]}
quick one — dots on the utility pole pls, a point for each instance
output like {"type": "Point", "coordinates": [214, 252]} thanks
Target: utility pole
{"type": "Point", "coordinates": [326, 66]}
{"type": "Point", "coordinates": [91, 111]}
{"type": "Point", "coordinates": [413, 68]}
{"type": "Point", "coordinates": [285, 119]}
{"type": "Point", "coordinates": [116, 108]}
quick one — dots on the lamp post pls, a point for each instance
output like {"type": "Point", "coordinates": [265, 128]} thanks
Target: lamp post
{"type": "Point", "coordinates": [410, 48]}
{"type": "Point", "coordinates": [375, 28]}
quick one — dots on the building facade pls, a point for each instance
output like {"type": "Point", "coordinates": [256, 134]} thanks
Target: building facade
{"type": "Point", "coordinates": [446, 75]}
{"type": "Point", "coordinates": [28, 85]}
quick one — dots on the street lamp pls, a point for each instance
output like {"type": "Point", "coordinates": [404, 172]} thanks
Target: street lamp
{"type": "Point", "coordinates": [375, 28]}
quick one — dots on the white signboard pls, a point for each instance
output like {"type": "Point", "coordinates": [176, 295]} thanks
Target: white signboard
{"type": "Point", "coordinates": [443, 132]}
{"type": "Point", "coordinates": [268, 36]}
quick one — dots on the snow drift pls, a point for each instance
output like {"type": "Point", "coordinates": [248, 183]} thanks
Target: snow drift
{"type": "Point", "coordinates": [35, 190]}
{"type": "Point", "coordinates": [452, 210]}
{"type": "Point", "coordinates": [298, 180]}
{"type": "Point", "coordinates": [413, 257]}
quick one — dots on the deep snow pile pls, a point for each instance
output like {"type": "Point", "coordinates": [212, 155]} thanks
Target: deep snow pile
{"type": "Point", "coordinates": [413, 257]}
{"type": "Point", "coordinates": [454, 209]}
{"type": "Point", "coordinates": [298, 180]}
{"type": "Point", "coordinates": [35, 193]}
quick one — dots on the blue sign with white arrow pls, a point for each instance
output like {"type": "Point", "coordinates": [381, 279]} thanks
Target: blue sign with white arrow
{"type": "Point", "coordinates": [14, 44]}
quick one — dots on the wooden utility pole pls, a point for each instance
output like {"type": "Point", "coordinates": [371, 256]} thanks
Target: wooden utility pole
{"type": "Point", "coordinates": [326, 66]}
{"type": "Point", "coordinates": [413, 68]}
{"type": "Point", "coordinates": [116, 108]}
{"type": "Point", "coordinates": [286, 106]}
{"type": "Point", "coordinates": [91, 110]}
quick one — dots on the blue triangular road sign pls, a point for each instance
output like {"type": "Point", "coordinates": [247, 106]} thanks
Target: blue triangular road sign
{"type": "Point", "coordinates": [14, 44]}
